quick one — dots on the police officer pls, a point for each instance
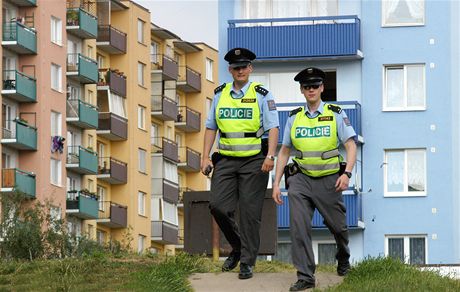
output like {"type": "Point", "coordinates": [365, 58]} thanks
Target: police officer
{"type": "Point", "coordinates": [316, 181]}
{"type": "Point", "coordinates": [241, 112]}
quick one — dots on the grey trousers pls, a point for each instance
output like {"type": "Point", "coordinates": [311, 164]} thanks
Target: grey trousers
{"type": "Point", "coordinates": [239, 182]}
{"type": "Point", "coordinates": [306, 194]}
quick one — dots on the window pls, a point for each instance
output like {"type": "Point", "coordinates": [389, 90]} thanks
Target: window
{"type": "Point", "coordinates": [90, 140]}
{"type": "Point", "coordinates": [156, 208]}
{"type": "Point", "coordinates": [140, 31]}
{"type": "Point", "coordinates": [155, 135]}
{"type": "Point", "coordinates": [405, 172]}
{"type": "Point", "coordinates": [56, 129]}
{"type": "Point", "coordinates": [56, 77]}
{"type": "Point", "coordinates": [90, 185]}
{"type": "Point", "coordinates": [90, 97]}
{"type": "Point", "coordinates": [154, 52]}
{"type": "Point", "coordinates": [410, 249]}
{"type": "Point", "coordinates": [100, 237]}
{"type": "Point", "coordinates": [101, 195]}
{"type": "Point", "coordinates": [404, 87]}
{"type": "Point", "coordinates": [55, 171]}
{"type": "Point", "coordinates": [55, 216]}
{"type": "Point", "coordinates": [326, 253]}
{"type": "Point", "coordinates": [140, 244]}
{"type": "Point", "coordinates": [141, 117]}
{"type": "Point", "coordinates": [209, 69]}
{"type": "Point", "coordinates": [208, 105]}
{"type": "Point", "coordinates": [90, 51]}
{"type": "Point", "coordinates": [140, 73]}
{"type": "Point", "coordinates": [170, 172]}
{"type": "Point", "coordinates": [170, 212]}
{"type": "Point", "coordinates": [142, 155]}
{"type": "Point", "coordinates": [56, 30]}
{"type": "Point", "coordinates": [296, 8]}
{"type": "Point", "coordinates": [90, 232]}
{"type": "Point", "coordinates": [403, 12]}
{"type": "Point", "coordinates": [141, 203]}
{"type": "Point", "coordinates": [100, 61]}
{"type": "Point", "coordinates": [117, 105]}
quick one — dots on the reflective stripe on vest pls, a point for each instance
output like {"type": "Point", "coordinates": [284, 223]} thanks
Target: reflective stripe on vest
{"type": "Point", "coordinates": [235, 117]}
{"type": "Point", "coordinates": [315, 139]}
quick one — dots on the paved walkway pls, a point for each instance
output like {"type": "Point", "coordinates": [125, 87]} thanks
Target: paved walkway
{"type": "Point", "coordinates": [267, 282]}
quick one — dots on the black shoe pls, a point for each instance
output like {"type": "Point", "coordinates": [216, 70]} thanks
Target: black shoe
{"type": "Point", "coordinates": [343, 268]}
{"type": "Point", "coordinates": [301, 285]}
{"type": "Point", "coordinates": [231, 262]}
{"type": "Point", "coordinates": [245, 271]}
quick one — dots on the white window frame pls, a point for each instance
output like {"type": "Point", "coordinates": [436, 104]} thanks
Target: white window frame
{"type": "Point", "coordinates": [154, 52]}
{"type": "Point", "coordinates": [56, 30]}
{"type": "Point", "coordinates": [141, 117]}
{"type": "Point", "coordinates": [209, 69]}
{"type": "Point", "coordinates": [405, 107]}
{"type": "Point", "coordinates": [140, 243]}
{"type": "Point", "coordinates": [142, 156]}
{"type": "Point", "coordinates": [165, 206]}
{"type": "Point", "coordinates": [141, 198]}
{"type": "Point", "coordinates": [140, 74]}
{"type": "Point", "coordinates": [101, 193]}
{"type": "Point", "coordinates": [56, 77]}
{"type": "Point", "coordinates": [406, 238]}
{"type": "Point", "coordinates": [404, 193]}
{"type": "Point", "coordinates": [56, 123]}
{"type": "Point", "coordinates": [56, 170]}
{"type": "Point", "coordinates": [385, 4]}
{"type": "Point", "coordinates": [140, 30]}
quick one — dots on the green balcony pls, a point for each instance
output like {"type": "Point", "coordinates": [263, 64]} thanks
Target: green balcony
{"type": "Point", "coordinates": [81, 23]}
{"type": "Point", "coordinates": [24, 3]}
{"type": "Point", "coordinates": [82, 204]}
{"type": "Point", "coordinates": [19, 86]}
{"type": "Point", "coordinates": [81, 160]}
{"type": "Point", "coordinates": [19, 134]}
{"type": "Point", "coordinates": [19, 38]}
{"type": "Point", "coordinates": [16, 180]}
{"type": "Point", "coordinates": [82, 114]}
{"type": "Point", "coordinates": [82, 69]}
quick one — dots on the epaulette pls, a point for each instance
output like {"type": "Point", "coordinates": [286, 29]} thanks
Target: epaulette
{"type": "Point", "coordinates": [219, 88]}
{"type": "Point", "coordinates": [335, 108]}
{"type": "Point", "coordinates": [261, 90]}
{"type": "Point", "coordinates": [295, 111]}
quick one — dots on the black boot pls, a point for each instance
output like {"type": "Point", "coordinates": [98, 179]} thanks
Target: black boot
{"type": "Point", "coordinates": [231, 262]}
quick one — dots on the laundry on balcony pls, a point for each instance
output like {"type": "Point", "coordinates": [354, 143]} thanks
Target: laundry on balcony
{"type": "Point", "coordinates": [57, 144]}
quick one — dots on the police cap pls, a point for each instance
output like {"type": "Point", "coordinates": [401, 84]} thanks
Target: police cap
{"type": "Point", "coordinates": [238, 57]}
{"type": "Point", "coordinates": [310, 76]}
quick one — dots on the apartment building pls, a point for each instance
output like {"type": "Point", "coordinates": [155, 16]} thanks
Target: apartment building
{"type": "Point", "coordinates": [183, 77]}
{"type": "Point", "coordinates": [385, 62]}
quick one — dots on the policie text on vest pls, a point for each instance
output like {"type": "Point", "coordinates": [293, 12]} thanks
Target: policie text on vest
{"type": "Point", "coordinates": [305, 132]}
{"type": "Point", "coordinates": [235, 113]}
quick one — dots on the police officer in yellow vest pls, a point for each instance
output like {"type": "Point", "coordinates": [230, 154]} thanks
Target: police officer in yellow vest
{"type": "Point", "coordinates": [315, 180]}
{"type": "Point", "coordinates": [241, 113]}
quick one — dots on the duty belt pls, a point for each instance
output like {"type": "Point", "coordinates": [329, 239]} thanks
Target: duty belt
{"type": "Point", "coordinates": [257, 134]}
{"type": "Point", "coordinates": [324, 155]}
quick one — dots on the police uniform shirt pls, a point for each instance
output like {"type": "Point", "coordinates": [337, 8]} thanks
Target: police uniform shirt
{"type": "Point", "coordinates": [268, 114]}
{"type": "Point", "coordinates": [344, 129]}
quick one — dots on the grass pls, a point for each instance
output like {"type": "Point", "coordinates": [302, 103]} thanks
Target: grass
{"type": "Point", "coordinates": [160, 273]}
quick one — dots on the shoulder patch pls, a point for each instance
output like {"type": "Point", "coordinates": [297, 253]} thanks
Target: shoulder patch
{"type": "Point", "coordinates": [219, 88]}
{"type": "Point", "coordinates": [335, 108]}
{"type": "Point", "coordinates": [261, 90]}
{"type": "Point", "coordinates": [295, 111]}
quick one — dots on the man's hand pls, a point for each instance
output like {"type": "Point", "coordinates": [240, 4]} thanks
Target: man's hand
{"type": "Point", "coordinates": [342, 183]}
{"type": "Point", "coordinates": [268, 165]}
{"type": "Point", "coordinates": [276, 194]}
{"type": "Point", "coordinates": [206, 164]}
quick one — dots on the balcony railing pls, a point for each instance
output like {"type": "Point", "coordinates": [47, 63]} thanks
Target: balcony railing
{"type": "Point", "coordinates": [165, 146]}
{"type": "Point", "coordinates": [112, 170]}
{"type": "Point", "coordinates": [19, 38]}
{"type": "Point", "coordinates": [163, 108]}
{"type": "Point", "coordinates": [112, 126]}
{"type": "Point", "coordinates": [114, 79]}
{"type": "Point", "coordinates": [19, 134]}
{"type": "Point", "coordinates": [16, 180]}
{"type": "Point", "coordinates": [111, 40]}
{"type": "Point", "coordinates": [112, 215]}
{"type": "Point", "coordinates": [164, 232]}
{"type": "Point", "coordinates": [324, 37]}
{"type": "Point", "coordinates": [189, 80]}
{"type": "Point", "coordinates": [188, 120]}
{"type": "Point", "coordinates": [169, 68]}
{"type": "Point", "coordinates": [353, 203]}
{"type": "Point", "coordinates": [81, 160]}
{"type": "Point", "coordinates": [82, 204]}
{"type": "Point", "coordinates": [165, 188]}
{"type": "Point", "coordinates": [19, 86]}
{"type": "Point", "coordinates": [81, 23]}
{"type": "Point", "coordinates": [81, 68]}
{"type": "Point", "coordinates": [352, 109]}
{"type": "Point", "coordinates": [81, 114]}
{"type": "Point", "coordinates": [189, 159]}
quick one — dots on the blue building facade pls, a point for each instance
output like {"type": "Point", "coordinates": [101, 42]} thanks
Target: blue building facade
{"type": "Point", "coordinates": [393, 66]}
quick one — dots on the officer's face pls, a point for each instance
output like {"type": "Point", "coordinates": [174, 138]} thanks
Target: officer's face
{"type": "Point", "coordinates": [241, 74]}
{"type": "Point", "coordinates": [312, 94]}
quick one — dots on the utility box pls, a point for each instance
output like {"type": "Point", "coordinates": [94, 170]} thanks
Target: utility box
{"type": "Point", "coordinates": [198, 225]}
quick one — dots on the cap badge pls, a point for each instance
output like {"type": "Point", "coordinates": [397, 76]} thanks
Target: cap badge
{"type": "Point", "coordinates": [310, 70]}
{"type": "Point", "coordinates": [237, 52]}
